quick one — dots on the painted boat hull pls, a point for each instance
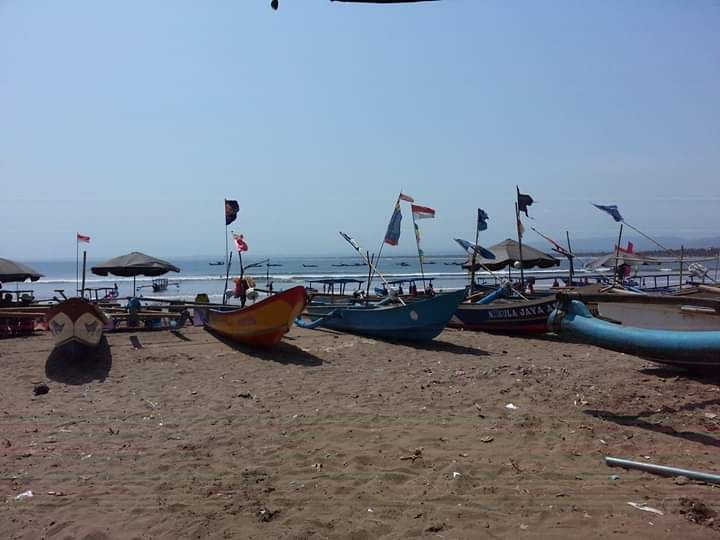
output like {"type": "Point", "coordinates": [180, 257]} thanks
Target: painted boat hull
{"type": "Point", "coordinates": [680, 317]}
{"type": "Point", "coordinates": [421, 320]}
{"type": "Point", "coordinates": [675, 347]}
{"type": "Point", "coordinates": [262, 324]}
{"type": "Point", "coordinates": [511, 317]}
{"type": "Point", "coordinates": [76, 322]}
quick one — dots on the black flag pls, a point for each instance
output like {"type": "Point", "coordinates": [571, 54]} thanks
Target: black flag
{"type": "Point", "coordinates": [231, 211]}
{"type": "Point", "coordinates": [523, 200]}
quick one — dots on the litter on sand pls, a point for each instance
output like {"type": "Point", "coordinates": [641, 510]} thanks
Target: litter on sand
{"type": "Point", "coordinates": [646, 508]}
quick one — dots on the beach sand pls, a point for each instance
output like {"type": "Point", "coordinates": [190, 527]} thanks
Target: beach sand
{"type": "Point", "coordinates": [181, 435]}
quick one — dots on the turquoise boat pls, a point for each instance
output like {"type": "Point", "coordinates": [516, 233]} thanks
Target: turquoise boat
{"type": "Point", "coordinates": [675, 347]}
{"type": "Point", "coordinates": [421, 320]}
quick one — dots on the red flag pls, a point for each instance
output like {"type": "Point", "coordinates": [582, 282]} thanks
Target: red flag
{"type": "Point", "coordinates": [83, 238]}
{"type": "Point", "coordinates": [240, 244]}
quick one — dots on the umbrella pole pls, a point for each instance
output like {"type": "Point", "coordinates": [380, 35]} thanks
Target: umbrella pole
{"type": "Point", "coordinates": [617, 255]}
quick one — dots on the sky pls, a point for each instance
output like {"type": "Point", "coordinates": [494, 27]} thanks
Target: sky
{"type": "Point", "coordinates": [131, 121]}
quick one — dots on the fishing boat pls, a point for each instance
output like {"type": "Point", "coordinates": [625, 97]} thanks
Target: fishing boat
{"type": "Point", "coordinates": [692, 312]}
{"type": "Point", "coordinates": [217, 263]}
{"type": "Point", "coordinates": [421, 320]}
{"type": "Point", "coordinates": [499, 313]}
{"type": "Point", "coordinates": [74, 322]}
{"type": "Point", "coordinates": [262, 324]}
{"type": "Point", "coordinates": [698, 349]}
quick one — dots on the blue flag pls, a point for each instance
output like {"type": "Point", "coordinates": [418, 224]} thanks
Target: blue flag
{"type": "Point", "coordinates": [392, 236]}
{"type": "Point", "coordinates": [610, 209]}
{"type": "Point", "coordinates": [470, 247]}
{"type": "Point", "coordinates": [482, 220]}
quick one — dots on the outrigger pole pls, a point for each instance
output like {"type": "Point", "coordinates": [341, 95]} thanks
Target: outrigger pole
{"type": "Point", "coordinates": [370, 263]}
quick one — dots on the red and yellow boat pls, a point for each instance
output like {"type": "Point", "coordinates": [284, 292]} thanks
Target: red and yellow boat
{"type": "Point", "coordinates": [262, 324]}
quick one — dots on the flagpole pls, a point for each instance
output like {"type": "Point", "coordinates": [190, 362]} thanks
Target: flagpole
{"type": "Point", "coordinates": [617, 255]}
{"type": "Point", "coordinates": [571, 257]}
{"type": "Point", "coordinates": [417, 243]}
{"type": "Point", "coordinates": [474, 255]}
{"type": "Point", "coordinates": [370, 264]}
{"type": "Point", "coordinates": [77, 263]}
{"type": "Point", "coordinates": [82, 290]}
{"type": "Point", "coordinates": [517, 222]}
{"type": "Point", "coordinates": [382, 244]}
{"type": "Point", "coordinates": [227, 262]}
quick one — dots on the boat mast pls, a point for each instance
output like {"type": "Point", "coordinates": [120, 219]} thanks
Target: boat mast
{"type": "Point", "coordinates": [519, 233]}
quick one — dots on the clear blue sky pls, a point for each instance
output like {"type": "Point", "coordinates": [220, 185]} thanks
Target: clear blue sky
{"type": "Point", "coordinates": [131, 121]}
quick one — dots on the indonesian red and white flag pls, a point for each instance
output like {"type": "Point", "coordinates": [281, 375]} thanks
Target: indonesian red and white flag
{"type": "Point", "coordinates": [83, 238]}
{"type": "Point", "coordinates": [422, 212]}
{"type": "Point", "coordinates": [240, 244]}
{"type": "Point", "coordinates": [406, 198]}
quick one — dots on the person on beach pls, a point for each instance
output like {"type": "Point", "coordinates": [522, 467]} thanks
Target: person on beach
{"type": "Point", "coordinates": [241, 290]}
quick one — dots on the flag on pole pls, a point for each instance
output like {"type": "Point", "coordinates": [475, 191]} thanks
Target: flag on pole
{"type": "Point", "coordinates": [406, 198]}
{"type": "Point", "coordinates": [556, 246]}
{"type": "Point", "coordinates": [422, 212]}
{"type": "Point", "coordinates": [392, 235]}
{"type": "Point", "coordinates": [470, 247]}
{"type": "Point", "coordinates": [231, 211]}
{"type": "Point", "coordinates": [482, 220]}
{"type": "Point", "coordinates": [520, 228]}
{"type": "Point", "coordinates": [611, 209]}
{"type": "Point", "coordinates": [240, 243]}
{"type": "Point", "coordinates": [350, 240]}
{"type": "Point", "coordinates": [83, 238]}
{"type": "Point", "coordinates": [523, 200]}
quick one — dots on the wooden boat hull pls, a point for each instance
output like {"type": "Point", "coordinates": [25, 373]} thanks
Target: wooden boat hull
{"type": "Point", "coordinates": [652, 311]}
{"type": "Point", "coordinates": [262, 324]}
{"type": "Point", "coordinates": [510, 317]}
{"type": "Point", "coordinates": [76, 321]}
{"type": "Point", "coordinates": [674, 347]}
{"type": "Point", "coordinates": [421, 320]}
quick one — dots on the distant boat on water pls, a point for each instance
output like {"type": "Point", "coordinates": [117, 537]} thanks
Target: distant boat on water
{"type": "Point", "coordinates": [218, 263]}
{"type": "Point", "coordinates": [309, 265]}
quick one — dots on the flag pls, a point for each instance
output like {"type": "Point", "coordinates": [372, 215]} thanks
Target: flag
{"type": "Point", "coordinates": [610, 209]}
{"type": "Point", "coordinates": [422, 212]}
{"type": "Point", "coordinates": [406, 198]}
{"type": "Point", "coordinates": [392, 235]}
{"type": "Point", "coordinates": [83, 238]}
{"type": "Point", "coordinates": [231, 211]}
{"type": "Point", "coordinates": [520, 228]}
{"type": "Point", "coordinates": [558, 247]}
{"type": "Point", "coordinates": [523, 201]}
{"type": "Point", "coordinates": [482, 220]}
{"type": "Point", "coordinates": [470, 248]}
{"type": "Point", "coordinates": [240, 243]}
{"type": "Point", "coordinates": [350, 240]}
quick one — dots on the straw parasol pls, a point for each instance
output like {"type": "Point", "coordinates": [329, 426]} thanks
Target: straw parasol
{"type": "Point", "coordinates": [507, 253]}
{"type": "Point", "coordinates": [134, 264]}
{"type": "Point", "coordinates": [11, 271]}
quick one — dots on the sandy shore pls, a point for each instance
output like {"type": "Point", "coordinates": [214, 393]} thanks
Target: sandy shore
{"type": "Point", "coordinates": [335, 436]}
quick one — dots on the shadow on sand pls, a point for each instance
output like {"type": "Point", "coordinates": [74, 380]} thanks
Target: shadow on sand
{"type": "Point", "coordinates": [79, 365]}
{"type": "Point", "coordinates": [442, 346]}
{"type": "Point", "coordinates": [282, 353]}
{"type": "Point", "coordinates": [636, 420]}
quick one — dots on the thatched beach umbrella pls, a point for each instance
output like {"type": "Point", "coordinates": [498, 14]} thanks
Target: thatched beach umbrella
{"type": "Point", "coordinates": [507, 253]}
{"type": "Point", "coordinates": [134, 264]}
{"type": "Point", "coordinates": [11, 271]}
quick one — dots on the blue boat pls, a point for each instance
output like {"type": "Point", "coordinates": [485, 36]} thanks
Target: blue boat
{"type": "Point", "coordinates": [421, 320]}
{"type": "Point", "coordinates": [675, 347]}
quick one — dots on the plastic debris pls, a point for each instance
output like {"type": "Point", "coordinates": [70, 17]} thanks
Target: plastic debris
{"type": "Point", "coordinates": [456, 475]}
{"type": "Point", "coordinates": [24, 495]}
{"type": "Point", "coordinates": [614, 477]}
{"type": "Point", "coordinates": [487, 439]}
{"type": "Point", "coordinates": [646, 508]}
{"type": "Point", "coordinates": [511, 406]}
